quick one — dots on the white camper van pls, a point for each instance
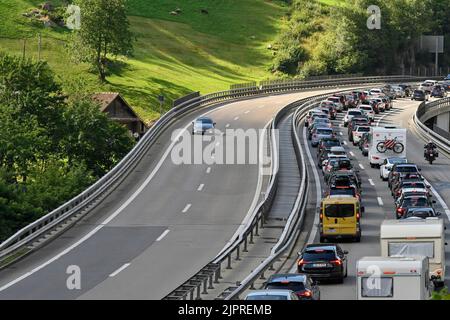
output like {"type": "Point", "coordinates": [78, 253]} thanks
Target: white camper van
{"type": "Point", "coordinates": [385, 142]}
{"type": "Point", "coordinates": [392, 278]}
{"type": "Point", "coordinates": [412, 237]}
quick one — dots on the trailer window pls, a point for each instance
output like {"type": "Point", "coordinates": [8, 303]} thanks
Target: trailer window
{"type": "Point", "coordinates": [375, 287]}
{"type": "Point", "coordinates": [409, 249]}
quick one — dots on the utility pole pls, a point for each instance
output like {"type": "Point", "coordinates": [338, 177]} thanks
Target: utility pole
{"type": "Point", "coordinates": [39, 46]}
{"type": "Point", "coordinates": [161, 103]}
{"type": "Point", "coordinates": [23, 48]}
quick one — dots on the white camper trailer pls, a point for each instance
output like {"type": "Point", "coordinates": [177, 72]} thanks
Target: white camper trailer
{"type": "Point", "coordinates": [392, 278]}
{"type": "Point", "coordinates": [412, 237]}
{"type": "Point", "coordinates": [385, 142]}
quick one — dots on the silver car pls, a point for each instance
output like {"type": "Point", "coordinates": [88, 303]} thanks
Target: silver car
{"type": "Point", "coordinates": [203, 125]}
{"type": "Point", "coordinates": [320, 133]}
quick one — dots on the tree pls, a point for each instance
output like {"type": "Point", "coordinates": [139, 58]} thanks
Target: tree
{"type": "Point", "coordinates": [104, 33]}
{"type": "Point", "coordinates": [92, 138]}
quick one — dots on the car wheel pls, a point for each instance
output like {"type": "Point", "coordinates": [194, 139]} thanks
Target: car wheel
{"type": "Point", "coordinates": [358, 239]}
{"type": "Point", "coordinates": [372, 165]}
{"type": "Point", "coordinates": [346, 271]}
{"type": "Point", "coordinates": [322, 239]}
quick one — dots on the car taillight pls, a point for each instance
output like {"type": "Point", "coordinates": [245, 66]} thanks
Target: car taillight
{"type": "Point", "coordinates": [400, 211]}
{"type": "Point", "coordinates": [337, 262]}
{"type": "Point", "coordinates": [398, 192]}
{"type": "Point", "coordinates": [314, 135]}
{"type": "Point", "coordinates": [306, 293]}
{"type": "Point", "coordinates": [301, 262]}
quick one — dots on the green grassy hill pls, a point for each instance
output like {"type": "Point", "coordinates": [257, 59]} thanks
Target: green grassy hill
{"type": "Point", "coordinates": [174, 55]}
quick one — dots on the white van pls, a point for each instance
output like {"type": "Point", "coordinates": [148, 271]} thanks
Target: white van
{"type": "Point", "coordinates": [411, 237]}
{"type": "Point", "coordinates": [392, 278]}
{"type": "Point", "coordinates": [386, 142]}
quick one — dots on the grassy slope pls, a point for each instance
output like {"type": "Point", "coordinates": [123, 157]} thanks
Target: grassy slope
{"type": "Point", "coordinates": [173, 54]}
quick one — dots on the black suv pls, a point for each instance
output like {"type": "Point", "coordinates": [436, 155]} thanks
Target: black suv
{"type": "Point", "coordinates": [323, 261]}
{"type": "Point", "coordinates": [301, 284]}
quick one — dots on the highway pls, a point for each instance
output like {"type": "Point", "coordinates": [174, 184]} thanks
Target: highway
{"type": "Point", "coordinates": [158, 228]}
{"type": "Point", "coordinates": [378, 202]}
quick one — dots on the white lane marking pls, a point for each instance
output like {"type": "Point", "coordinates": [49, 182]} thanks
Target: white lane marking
{"type": "Point", "coordinates": [200, 187]}
{"type": "Point", "coordinates": [371, 182]}
{"type": "Point", "coordinates": [217, 144]}
{"type": "Point", "coordinates": [227, 126]}
{"type": "Point", "coordinates": [236, 118]}
{"type": "Point", "coordinates": [352, 154]}
{"type": "Point", "coordinates": [163, 235]}
{"type": "Point", "coordinates": [188, 206]}
{"type": "Point", "coordinates": [257, 191]}
{"type": "Point", "coordinates": [361, 166]}
{"type": "Point", "coordinates": [208, 170]}
{"type": "Point", "coordinates": [115, 273]}
{"type": "Point", "coordinates": [341, 134]}
{"type": "Point", "coordinates": [113, 215]}
{"type": "Point", "coordinates": [345, 143]}
{"type": "Point", "coordinates": [387, 113]}
{"type": "Point", "coordinates": [439, 198]}
{"type": "Point", "coordinates": [247, 112]}
{"type": "Point", "coordinates": [380, 201]}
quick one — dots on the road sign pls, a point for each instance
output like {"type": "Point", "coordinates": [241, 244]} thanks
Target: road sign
{"type": "Point", "coordinates": [432, 44]}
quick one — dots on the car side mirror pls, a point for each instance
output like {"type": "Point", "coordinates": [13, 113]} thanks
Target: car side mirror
{"type": "Point", "coordinates": [345, 252]}
{"type": "Point", "coordinates": [214, 124]}
{"type": "Point", "coordinates": [428, 186]}
{"type": "Point", "coordinates": [420, 169]}
{"type": "Point", "coordinates": [438, 214]}
{"type": "Point", "coordinates": [434, 201]}
{"type": "Point", "coordinates": [363, 209]}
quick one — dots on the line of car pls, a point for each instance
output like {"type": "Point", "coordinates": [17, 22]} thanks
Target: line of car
{"type": "Point", "coordinates": [341, 208]}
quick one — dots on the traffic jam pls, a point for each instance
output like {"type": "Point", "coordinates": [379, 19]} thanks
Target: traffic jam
{"type": "Point", "coordinates": [411, 262]}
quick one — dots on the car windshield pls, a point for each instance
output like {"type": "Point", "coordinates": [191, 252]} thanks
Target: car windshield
{"type": "Point", "coordinates": [416, 185]}
{"type": "Point", "coordinates": [340, 210]}
{"type": "Point", "coordinates": [397, 160]}
{"type": "Point", "coordinates": [415, 202]}
{"type": "Point", "coordinates": [343, 192]}
{"type": "Point", "coordinates": [363, 129]}
{"type": "Point", "coordinates": [324, 131]}
{"type": "Point", "coordinates": [422, 213]}
{"type": "Point", "coordinates": [331, 143]}
{"type": "Point", "coordinates": [319, 254]}
{"type": "Point", "coordinates": [354, 113]}
{"type": "Point", "coordinates": [343, 164]}
{"type": "Point", "coordinates": [404, 169]}
{"type": "Point", "coordinates": [267, 297]}
{"type": "Point", "coordinates": [367, 108]}
{"type": "Point", "coordinates": [287, 285]}
{"type": "Point", "coordinates": [204, 121]}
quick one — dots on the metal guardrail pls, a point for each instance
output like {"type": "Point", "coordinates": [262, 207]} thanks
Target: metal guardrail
{"type": "Point", "coordinates": [424, 112]}
{"type": "Point", "coordinates": [64, 216]}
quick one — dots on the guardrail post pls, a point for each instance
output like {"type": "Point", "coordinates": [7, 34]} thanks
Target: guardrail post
{"type": "Point", "coordinates": [229, 261]}
{"type": "Point", "coordinates": [211, 286]}
{"type": "Point", "coordinates": [256, 229]}
{"type": "Point", "coordinates": [251, 236]}
{"type": "Point", "coordinates": [191, 293]}
{"type": "Point", "coordinates": [218, 274]}
{"type": "Point", "coordinates": [252, 286]}
{"type": "Point", "coordinates": [262, 276]}
{"type": "Point", "coordinates": [199, 285]}
{"type": "Point", "coordinates": [238, 250]}
{"type": "Point", "coordinates": [245, 243]}
{"type": "Point", "coordinates": [205, 286]}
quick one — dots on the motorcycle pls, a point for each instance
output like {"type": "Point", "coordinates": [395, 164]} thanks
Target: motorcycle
{"type": "Point", "coordinates": [431, 155]}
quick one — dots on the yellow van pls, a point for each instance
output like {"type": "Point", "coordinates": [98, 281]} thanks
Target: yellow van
{"type": "Point", "coordinates": [340, 218]}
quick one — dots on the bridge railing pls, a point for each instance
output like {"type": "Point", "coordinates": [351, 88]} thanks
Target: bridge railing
{"type": "Point", "coordinates": [49, 226]}
{"type": "Point", "coordinates": [426, 111]}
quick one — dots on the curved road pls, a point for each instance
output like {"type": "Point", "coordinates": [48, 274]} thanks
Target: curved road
{"type": "Point", "coordinates": [378, 202]}
{"type": "Point", "coordinates": [158, 228]}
